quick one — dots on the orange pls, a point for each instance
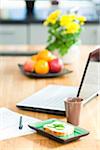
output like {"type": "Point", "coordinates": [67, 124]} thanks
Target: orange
{"type": "Point", "coordinates": [41, 67]}
{"type": "Point", "coordinates": [46, 55]}
{"type": "Point", "coordinates": [34, 57]}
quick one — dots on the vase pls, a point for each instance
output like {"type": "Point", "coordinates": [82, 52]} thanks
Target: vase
{"type": "Point", "coordinates": [71, 56]}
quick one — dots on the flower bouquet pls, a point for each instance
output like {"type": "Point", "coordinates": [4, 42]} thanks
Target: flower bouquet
{"type": "Point", "coordinates": [63, 31]}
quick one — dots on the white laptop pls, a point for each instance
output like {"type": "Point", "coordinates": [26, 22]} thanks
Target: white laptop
{"type": "Point", "coordinates": [51, 98]}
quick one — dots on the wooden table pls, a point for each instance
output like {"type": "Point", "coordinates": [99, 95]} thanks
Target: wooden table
{"type": "Point", "coordinates": [14, 87]}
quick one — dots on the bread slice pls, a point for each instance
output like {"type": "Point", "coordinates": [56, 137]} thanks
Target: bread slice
{"type": "Point", "coordinates": [58, 128]}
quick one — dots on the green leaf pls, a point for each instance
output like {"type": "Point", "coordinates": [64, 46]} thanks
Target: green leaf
{"type": "Point", "coordinates": [57, 40]}
{"type": "Point", "coordinates": [51, 46]}
{"type": "Point", "coordinates": [49, 38]}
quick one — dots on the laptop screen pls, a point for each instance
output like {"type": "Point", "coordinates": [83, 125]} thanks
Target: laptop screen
{"type": "Point", "coordinates": [90, 83]}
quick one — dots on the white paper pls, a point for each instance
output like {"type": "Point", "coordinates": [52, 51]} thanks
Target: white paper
{"type": "Point", "coordinates": [9, 124]}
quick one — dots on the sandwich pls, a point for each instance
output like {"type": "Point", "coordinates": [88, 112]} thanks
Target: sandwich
{"type": "Point", "coordinates": [59, 128]}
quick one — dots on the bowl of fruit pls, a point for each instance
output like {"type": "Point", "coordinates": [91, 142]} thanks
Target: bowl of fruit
{"type": "Point", "coordinates": [43, 65]}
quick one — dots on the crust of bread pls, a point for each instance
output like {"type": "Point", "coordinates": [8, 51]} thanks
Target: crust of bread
{"type": "Point", "coordinates": [55, 133]}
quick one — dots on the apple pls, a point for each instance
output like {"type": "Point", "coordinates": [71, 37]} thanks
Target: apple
{"type": "Point", "coordinates": [28, 66]}
{"type": "Point", "coordinates": [55, 65]}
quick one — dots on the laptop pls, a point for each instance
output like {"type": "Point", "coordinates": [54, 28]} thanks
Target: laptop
{"type": "Point", "coordinates": [51, 98]}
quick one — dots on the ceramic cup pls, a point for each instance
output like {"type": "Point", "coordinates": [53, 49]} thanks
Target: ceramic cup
{"type": "Point", "coordinates": [73, 108]}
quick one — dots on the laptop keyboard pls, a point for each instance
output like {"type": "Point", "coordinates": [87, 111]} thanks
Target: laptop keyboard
{"type": "Point", "coordinates": [51, 97]}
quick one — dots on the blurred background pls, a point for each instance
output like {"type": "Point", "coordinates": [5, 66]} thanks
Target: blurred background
{"type": "Point", "coordinates": [21, 21]}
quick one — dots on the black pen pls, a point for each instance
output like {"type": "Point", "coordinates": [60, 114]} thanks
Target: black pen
{"type": "Point", "coordinates": [20, 123]}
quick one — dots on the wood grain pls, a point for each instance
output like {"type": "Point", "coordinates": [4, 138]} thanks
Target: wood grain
{"type": "Point", "coordinates": [14, 87]}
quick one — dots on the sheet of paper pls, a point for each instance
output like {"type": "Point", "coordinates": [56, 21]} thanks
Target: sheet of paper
{"type": "Point", "coordinates": [9, 124]}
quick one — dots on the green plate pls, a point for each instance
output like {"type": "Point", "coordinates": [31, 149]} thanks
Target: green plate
{"type": "Point", "coordinates": [78, 132]}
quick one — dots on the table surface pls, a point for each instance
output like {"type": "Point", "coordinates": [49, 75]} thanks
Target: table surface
{"type": "Point", "coordinates": [14, 87]}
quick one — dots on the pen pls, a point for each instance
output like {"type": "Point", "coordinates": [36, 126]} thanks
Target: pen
{"type": "Point", "coordinates": [20, 123]}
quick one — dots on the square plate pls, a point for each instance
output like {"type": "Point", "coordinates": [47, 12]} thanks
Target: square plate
{"type": "Point", "coordinates": [48, 75]}
{"type": "Point", "coordinates": [78, 132]}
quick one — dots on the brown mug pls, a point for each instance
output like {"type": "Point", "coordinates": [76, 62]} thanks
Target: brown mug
{"type": "Point", "coordinates": [73, 109]}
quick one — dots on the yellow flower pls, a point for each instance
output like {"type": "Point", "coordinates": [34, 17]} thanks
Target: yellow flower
{"type": "Point", "coordinates": [73, 28]}
{"type": "Point", "coordinates": [82, 19]}
{"type": "Point", "coordinates": [65, 21]}
{"type": "Point", "coordinates": [52, 18]}
{"type": "Point", "coordinates": [73, 17]}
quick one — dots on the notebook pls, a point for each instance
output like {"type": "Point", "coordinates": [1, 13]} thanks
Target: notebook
{"type": "Point", "coordinates": [51, 98]}
{"type": "Point", "coordinates": [9, 124]}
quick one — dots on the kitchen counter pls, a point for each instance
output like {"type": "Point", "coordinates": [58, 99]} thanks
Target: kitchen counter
{"type": "Point", "coordinates": [36, 17]}
{"type": "Point", "coordinates": [14, 87]}
{"type": "Point", "coordinates": [23, 21]}
{"type": "Point", "coordinates": [34, 21]}
{"type": "Point", "coordinates": [39, 11]}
